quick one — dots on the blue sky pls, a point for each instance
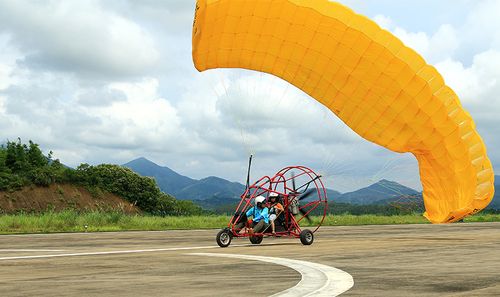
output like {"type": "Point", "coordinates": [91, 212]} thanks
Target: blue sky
{"type": "Point", "coordinates": [110, 81]}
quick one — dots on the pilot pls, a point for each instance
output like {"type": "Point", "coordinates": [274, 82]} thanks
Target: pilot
{"type": "Point", "coordinates": [275, 209]}
{"type": "Point", "coordinates": [260, 217]}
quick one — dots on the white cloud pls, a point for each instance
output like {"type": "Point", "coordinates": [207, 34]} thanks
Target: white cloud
{"type": "Point", "coordinates": [480, 31]}
{"type": "Point", "coordinates": [478, 87]}
{"type": "Point", "coordinates": [434, 48]}
{"type": "Point", "coordinates": [142, 119]}
{"type": "Point", "coordinates": [478, 84]}
{"type": "Point", "coordinates": [8, 57]}
{"type": "Point", "coordinates": [383, 21]}
{"type": "Point", "coordinates": [78, 37]}
{"type": "Point", "coordinates": [4, 76]}
{"type": "Point", "coordinates": [2, 104]}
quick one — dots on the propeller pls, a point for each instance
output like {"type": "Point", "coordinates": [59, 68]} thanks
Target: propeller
{"type": "Point", "coordinates": [306, 194]}
{"type": "Point", "coordinates": [301, 196]}
{"type": "Point", "coordinates": [305, 215]}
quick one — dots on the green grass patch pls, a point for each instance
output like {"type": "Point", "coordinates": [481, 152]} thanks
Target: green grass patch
{"type": "Point", "coordinates": [483, 218]}
{"type": "Point", "coordinates": [72, 221]}
{"type": "Point", "coordinates": [352, 220]}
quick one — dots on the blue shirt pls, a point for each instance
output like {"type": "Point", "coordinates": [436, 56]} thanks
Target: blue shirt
{"type": "Point", "coordinates": [259, 214]}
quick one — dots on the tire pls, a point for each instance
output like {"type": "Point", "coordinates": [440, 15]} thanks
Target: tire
{"type": "Point", "coordinates": [224, 238]}
{"type": "Point", "coordinates": [256, 239]}
{"type": "Point", "coordinates": [306, 237]}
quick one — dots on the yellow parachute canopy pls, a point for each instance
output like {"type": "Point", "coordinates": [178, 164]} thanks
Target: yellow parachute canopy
{"type": "Point", "coordinates": [380, 88]}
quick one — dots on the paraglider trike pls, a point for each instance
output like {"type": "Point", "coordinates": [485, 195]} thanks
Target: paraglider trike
{"type": "Point", "coordinates": [301, 193]}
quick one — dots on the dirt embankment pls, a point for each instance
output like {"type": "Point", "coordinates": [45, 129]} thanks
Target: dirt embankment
{"type": "Point", "coordinates": [60, 197]}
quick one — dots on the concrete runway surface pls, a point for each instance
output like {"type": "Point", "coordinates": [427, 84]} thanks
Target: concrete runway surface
{"type": "Point", "coordinates": [393, 260]}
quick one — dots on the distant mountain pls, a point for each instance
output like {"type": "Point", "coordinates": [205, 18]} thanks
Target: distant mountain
{"type": "Point", "coordinates": [168, 180]}
{"type": "Point", "coordinates": [211, 187]}
{"type": "Point", "coordinates": [495, 203]}
{"type": "Point", "coordinates": [183, 187]}
{"type": "Point", "coordinates": [222, 204]}
{"type": "Point", "coordinates": [381, 191]}
{"type": "Point", "coordinates": [332, 194]}
{"type": "Point", "coordinates": [213, 192]}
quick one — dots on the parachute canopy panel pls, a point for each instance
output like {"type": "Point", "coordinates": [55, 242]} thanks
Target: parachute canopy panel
{"type": "Point", "coordinates": [381, 89]}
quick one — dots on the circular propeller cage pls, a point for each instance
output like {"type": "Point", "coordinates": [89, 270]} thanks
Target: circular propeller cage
{"type": "Point", "coordinates": [304, 194]}
{"type": "Point", "coordinates": [300, 191]}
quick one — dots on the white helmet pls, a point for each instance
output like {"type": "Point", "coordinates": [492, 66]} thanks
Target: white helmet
{"type": "Point", "coordinates": [259, 199]}
{"type": "Point", "coordinates": [273, 194]}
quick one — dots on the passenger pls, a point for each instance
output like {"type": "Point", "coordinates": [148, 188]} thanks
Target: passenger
{"type": "Point", "coordinates": [260, 217]}
{"type": "Point", "coordinates": [275, 209]}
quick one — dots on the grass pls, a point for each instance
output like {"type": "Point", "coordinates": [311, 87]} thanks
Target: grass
{"type": "Point", "coordinates": [72, 221]}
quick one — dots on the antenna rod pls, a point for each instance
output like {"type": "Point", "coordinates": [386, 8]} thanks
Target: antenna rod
{"type": "Point", "coordinates": [248, 173]}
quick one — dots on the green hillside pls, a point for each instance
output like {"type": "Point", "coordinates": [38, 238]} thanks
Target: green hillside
{"type": "Point", "coordinates": [24, 165]}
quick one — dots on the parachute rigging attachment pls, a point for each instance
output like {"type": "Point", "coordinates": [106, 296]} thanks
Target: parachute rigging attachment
{"type": "Point", "coordinates": [248, 173]}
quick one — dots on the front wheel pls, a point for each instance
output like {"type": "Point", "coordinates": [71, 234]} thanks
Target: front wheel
{"type": "Point", "coordinates": [224, 238]}
{"type": "Point", "coordinates": [306, 237]}
{"type": "Point", "coordinates": [256, 239]}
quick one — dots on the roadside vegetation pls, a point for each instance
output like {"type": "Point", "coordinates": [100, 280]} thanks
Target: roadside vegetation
{"type": "Point", "coordinates": [24, 165]}
{"type": "Point", "coordinates": [72, 221]}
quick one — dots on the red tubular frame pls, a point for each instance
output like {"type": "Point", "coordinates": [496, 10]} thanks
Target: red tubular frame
{"type": "Point", "coordinates": [266, 185]}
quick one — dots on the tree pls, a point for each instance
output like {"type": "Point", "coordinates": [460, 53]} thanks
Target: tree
{"type": "Point", "coordinates": [16, 159]}
{"type": "Point", "coordinates": [3, 155]}
{"type": "Point", "coordinates": [22, 164]}
{"type": "Point", "coordinates": [35, 157]}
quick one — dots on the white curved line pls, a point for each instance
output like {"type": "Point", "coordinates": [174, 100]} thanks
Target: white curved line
{"type": "Point", "coordinates": [317, 279]}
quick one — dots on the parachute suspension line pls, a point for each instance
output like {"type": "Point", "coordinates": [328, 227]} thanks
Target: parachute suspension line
{"type": "Point", "coordinates": [284, 92]}
{"type": "Point", "coordinates": [236, 120]}
{"type": "Point", "coordinates": [331, 167]}
{"type": "Point", "coordinates": [241, 122]}
{"type": "Point", "coordinates": [379, 174]}
{"type": "Point", "coordinates": [248, 172]}
{"type": "Point", "coordinates": [246, 144]}
{"type": "Point", "coordinates": [329, 164]}
{"type": "Point", "coordinates": [257, 82]}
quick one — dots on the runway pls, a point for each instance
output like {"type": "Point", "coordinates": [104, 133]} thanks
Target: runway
{"type": "Point", "coordinates": [392, 260]}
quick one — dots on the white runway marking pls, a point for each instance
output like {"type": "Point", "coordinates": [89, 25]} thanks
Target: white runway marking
{"type": "Point", "coordinates": [28, 250]}
{"type": "Point", "coordinates": [122, 252]}
{"type": "Point", "coordinates": [101, 233]}
{"type": "Point", "coordinates": [317, 279]}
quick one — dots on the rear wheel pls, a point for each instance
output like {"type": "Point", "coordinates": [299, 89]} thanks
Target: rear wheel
{"type": "Point", "coordinates": [306, 237]}
{"type": "Point", "coordinates": [256, 239]}
{"type": "Point", "coordinates": [224, 238]}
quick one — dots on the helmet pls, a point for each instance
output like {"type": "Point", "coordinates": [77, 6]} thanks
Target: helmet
{"type": "Point", "coordinates": [259, 199]}
{"type": "Point", "coordinates": [273, 195]}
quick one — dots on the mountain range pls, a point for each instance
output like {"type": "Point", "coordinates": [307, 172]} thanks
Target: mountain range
{"type": "Point", "coordinates": [495, 203]}
{"type": "Point", "coordinates": [214, 191]}
{"type": "Point", "coordinates": [183, 187]}
{"type": "Point", "coordinates": [381, 191]}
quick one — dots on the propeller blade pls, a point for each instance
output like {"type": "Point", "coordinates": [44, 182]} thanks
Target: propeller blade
{"type": "Point", "coordinates": [305, 215]}
{"type": "Point", "coordinates": [307, 194]}
{"type": "Point", "coordinates": [293, 182]}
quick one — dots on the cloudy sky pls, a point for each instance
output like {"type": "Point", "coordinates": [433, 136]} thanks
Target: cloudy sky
{"type": "Point", "coordinates": [110, 81]}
